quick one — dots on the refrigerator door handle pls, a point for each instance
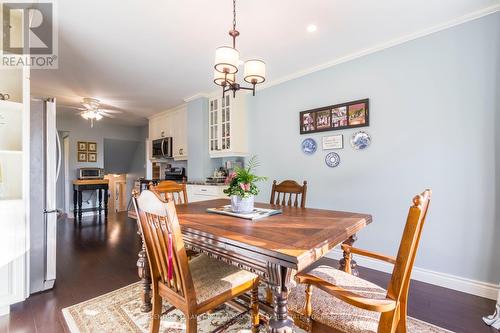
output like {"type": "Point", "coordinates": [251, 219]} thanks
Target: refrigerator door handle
{"type": "Point", "coordinates": [49, 211]}
{"type": "Point", "coordinates": [59, 155]}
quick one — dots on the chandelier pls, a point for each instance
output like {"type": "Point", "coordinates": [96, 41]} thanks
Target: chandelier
{"type": "Point", "coordinates": [227, 60]}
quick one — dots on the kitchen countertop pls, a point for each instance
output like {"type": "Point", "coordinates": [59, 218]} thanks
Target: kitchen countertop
{"type": "Point", "coordinates": [204, 183]}
{"type": "Point", "coordinates": [189, 182]}
{"type": "Point", "coordinates": [90, 181]}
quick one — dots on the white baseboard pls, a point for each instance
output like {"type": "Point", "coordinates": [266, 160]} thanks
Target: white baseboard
{"type": "Point", "coordinates": [469, 286]}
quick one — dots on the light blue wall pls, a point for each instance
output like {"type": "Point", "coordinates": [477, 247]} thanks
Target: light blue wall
{"type": "Point", "coordinates": [434, 123]}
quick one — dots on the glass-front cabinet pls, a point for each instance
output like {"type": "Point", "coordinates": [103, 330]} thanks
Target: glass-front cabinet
{"type": "Point", "coordinates": [227, 126]}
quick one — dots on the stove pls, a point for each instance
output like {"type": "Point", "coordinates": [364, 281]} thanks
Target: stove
{"type": "Point", "coordinates": [175, 174]}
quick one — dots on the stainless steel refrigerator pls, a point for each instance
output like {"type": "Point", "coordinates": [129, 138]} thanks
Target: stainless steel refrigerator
{"type": "Point", "coordinates": [45, 162]}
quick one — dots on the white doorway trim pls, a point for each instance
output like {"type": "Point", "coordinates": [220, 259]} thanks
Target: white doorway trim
{"type": "Point", "coordinates": [67, 184]}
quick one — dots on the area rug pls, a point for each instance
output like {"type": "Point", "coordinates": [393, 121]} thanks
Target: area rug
{"type": "Point", "coordinates": [119, 311]}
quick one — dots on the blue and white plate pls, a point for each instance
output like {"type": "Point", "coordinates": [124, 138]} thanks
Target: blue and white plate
{"type": "Point", "coordinates": [309, 146]}
{"type": "Point", "coordinates": [332, 159]}
{"type": "Point", "coordinates": [360, 140]}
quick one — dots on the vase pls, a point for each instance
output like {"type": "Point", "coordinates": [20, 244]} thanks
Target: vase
{"type": "Point", "coordinates": [242, 205]}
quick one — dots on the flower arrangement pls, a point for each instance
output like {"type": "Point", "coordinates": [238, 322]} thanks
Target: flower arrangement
{"type": "Point", "coordinates": [242, 181]}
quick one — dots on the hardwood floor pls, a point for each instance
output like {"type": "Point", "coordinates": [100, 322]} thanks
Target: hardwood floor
{"type": "Point", "coordinates": [96, 258]}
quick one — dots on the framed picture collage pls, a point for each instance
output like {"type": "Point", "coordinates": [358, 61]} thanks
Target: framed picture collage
{"type": "Point", "coordinates": [336, 117]}
{"type": "Point", "coordinates": [87, 151]}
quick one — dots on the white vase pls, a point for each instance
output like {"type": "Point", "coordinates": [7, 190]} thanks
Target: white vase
{"type": "Point", "coordinates": [242, 205]}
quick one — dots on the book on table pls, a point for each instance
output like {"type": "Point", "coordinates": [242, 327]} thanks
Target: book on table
{"type": "Point", "coordinates": [257, 213]}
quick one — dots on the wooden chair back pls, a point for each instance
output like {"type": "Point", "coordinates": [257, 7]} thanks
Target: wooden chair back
{"type": "Point", "coordinates": [400, 280]}
{"type": "Point", "coordinates": [171, 190]}
{"type": "Point", "coordinates": [287, 193]}
{"type": "Point", "coordinates": [165, 247]}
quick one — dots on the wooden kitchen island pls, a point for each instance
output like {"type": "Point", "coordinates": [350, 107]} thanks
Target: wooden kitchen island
{"type": "Point", "coordinates": [81, 185]}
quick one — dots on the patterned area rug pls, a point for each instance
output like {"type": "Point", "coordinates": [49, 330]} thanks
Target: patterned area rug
{"type": "Point", "coordinates": [119, 311]}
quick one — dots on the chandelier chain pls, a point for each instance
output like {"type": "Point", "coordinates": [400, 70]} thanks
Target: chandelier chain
{"type": "Point", "coordinates": [234, 14]}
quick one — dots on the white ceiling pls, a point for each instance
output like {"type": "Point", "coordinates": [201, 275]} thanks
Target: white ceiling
{"type": "Point", "coordinates": [145, 56]}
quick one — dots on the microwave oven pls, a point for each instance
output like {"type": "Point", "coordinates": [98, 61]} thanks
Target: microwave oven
{"type": "Point", "coordinates": [162, 148]}
{"type": "Point", "coordinates": [90, 173]}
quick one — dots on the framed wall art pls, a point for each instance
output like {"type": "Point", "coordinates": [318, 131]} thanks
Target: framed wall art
{"type": "Point", "coordinates": [92, 157]}
{"type": "Point", "coordinates": [333, 142]}
{"type": "Point", "coordinates": [92, 146]}
{"type": "Point", "coordinates": [335, 117]}
{"type": "Point", "coordinates": [82, 156]}
{"type": "Point", "coordinates": [82, 146]}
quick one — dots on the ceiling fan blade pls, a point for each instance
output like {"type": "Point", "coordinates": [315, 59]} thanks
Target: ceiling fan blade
{"type": "Point", "coordinates": [111, 111]}
{"type": "Point", "coordinates": [70, 106]}
{"type": "Point", "coordinates": [107, 115]}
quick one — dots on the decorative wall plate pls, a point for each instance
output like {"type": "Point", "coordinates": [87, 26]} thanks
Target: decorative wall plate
{"type": "Point", "coordinates": [360, 140]}
{"type": "Point", "coordinates": [309, 146]}
{"type": "Point", "coordinates": [332, 159]}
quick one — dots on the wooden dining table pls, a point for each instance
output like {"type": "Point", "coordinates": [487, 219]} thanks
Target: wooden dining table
{"type": "Point", "coordinates": [271, 247]}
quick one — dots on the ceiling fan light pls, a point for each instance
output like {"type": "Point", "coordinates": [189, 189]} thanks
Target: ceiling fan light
{"type": "Point", "coordinates": [226, 59]}
{"type": "Point", "coordinates": [222, 79]}
{"type": "Point", "coordinates": [255, 71]}
{"type": "Point", "coordinates": [98, 116]}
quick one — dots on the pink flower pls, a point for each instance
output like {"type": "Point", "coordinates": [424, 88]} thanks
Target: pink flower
{"type": "Point", "coordinates": [230, 177]}
{"type": "Point", "coordinates": [245, 187]}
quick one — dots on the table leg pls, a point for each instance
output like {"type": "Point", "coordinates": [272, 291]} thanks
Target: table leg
{"type": "Point", "coordinates": [106, 203]}
{"type": "Point", "coordinates": [80, 195]}
{"type": "Point", "coordinates": [144, 275]}
{"type": "Point", "coordinates": [279, 277]}
{"type": "Point", "coordinates": [347, 258]}
{"type": "Point", "coordinates": [99, 194]}
{"type": "Point", "coordinates": [75, 201]}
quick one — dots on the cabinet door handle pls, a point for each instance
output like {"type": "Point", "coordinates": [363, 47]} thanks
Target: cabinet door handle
{"type": "Point", "coordinates": [203, 190]}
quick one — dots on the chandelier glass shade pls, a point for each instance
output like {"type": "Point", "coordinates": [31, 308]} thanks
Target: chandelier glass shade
{"type": "Point", "coordinates": [255, 71]}
{"type": "Point", "coordinates": [227, 60]}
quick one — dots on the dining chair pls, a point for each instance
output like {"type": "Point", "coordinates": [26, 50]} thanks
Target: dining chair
{"type": "Point", "coordinates": [196, 286]}
{"type": "Point", "coordinates": [346, 303]}
{"type": "Point", "coordinates": [171, 191]}
{"type": "Point", "coordinates": [287, 193]}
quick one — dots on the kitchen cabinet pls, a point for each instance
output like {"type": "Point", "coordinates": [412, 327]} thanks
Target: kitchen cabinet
{"type": "Point", "coordinates": [179, 134]}
{"type": "Point", "coordinates": [227, 129]}
{"type": "Point", "coordinates": [160, 126]}
{"type": "Point", "coordinates": [171, 123]}
{"type": "Point", "coordinates": [205, 192]}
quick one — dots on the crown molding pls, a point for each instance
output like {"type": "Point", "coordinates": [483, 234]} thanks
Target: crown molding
{"type": "Point", "coordinates": [175, 108]}
{"type": "Point", "coordinates": [196, 96]}
{"type": "Point", "coordinates": [376, 48]}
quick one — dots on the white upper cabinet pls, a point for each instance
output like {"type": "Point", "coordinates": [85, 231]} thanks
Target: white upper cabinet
{"type": "Point", "coordinates": [171, 123]}
{"type": "Point", "coordinates": [227, 133]}
{"type": "Point", "coordinates": [179, 134]}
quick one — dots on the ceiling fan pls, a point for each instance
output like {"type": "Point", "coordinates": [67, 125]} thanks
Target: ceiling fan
{"type": "Point", "coordinates": [90, 110]}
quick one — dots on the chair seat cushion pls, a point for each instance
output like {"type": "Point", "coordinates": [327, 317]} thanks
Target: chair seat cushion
{"type": "Point", "coordinates": [212, 277]}
{"type": "Point", "coordinates": [333, 312]}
